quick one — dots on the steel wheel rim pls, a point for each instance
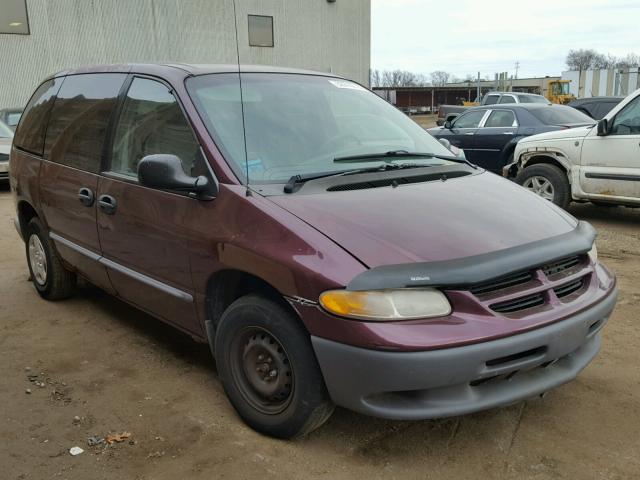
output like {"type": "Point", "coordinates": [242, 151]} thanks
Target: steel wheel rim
{"type": "Point", "coordinates": [37, 260]}
{"type": "Point", "coordinates": [261, 370]}
{"type": "Point", "coordinates": [541, 186]}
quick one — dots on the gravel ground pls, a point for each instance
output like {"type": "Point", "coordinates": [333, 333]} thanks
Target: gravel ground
{"type": "Point", "coordinates": [96, 366]}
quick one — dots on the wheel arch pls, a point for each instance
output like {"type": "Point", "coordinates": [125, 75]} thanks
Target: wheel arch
{"type": "Point", "coordinates": [226, 286]}
{"type": "Point", "coordinates": [26, 212]}
{"type": "Point", "coordinates": [549, 158]}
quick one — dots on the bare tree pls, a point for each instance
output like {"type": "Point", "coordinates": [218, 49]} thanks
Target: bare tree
{"type": "Point", "coordinates": [439, 78]}
{"type": "Point", "coordinates": [401, 78]}
{"type": "Point", "coordinates": [375, 79]}
{"type": "Point", "coordinates": [631, 60]}
{"type": "Point", "coordinates": [605, 61]}
{"type": "Point", "coordinates": [588, 59]}
{"type": "Point", "coordinates": [582, 59]}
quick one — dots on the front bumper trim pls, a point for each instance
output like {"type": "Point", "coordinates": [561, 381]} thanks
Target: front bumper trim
{"type": "Point", "coordinates": [461, 380]}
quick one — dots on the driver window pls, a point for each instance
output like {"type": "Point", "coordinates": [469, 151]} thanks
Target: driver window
{"type": "Point", "coordinates": [151, 122]}
{"type": "Point", "coordinates": [469, 119]}
{"type": "Point", "coordinates": [627, 121]}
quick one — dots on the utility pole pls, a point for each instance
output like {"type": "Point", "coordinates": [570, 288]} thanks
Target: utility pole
{"type": "Point", "coordinates": [478, 88]}
{"type": "Point", "coordinates": [517, 68]}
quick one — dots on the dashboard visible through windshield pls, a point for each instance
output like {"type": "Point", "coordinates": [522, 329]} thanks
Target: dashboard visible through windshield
{"type": "Point", "coordinates": [298, 124]}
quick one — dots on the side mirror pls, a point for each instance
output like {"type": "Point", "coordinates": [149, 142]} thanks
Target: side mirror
{"type": "Point", "coordinates": [445, 143]}
{"type": "Point", "coordinates": [449, 121]}
{"type": "Point", "coordinates": [165, 172]}
{"type": "Point", "coordinates": [603, 127]}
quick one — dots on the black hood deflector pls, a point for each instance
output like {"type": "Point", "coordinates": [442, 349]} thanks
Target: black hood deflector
{"type": "Point", "coordinates": [462, 272]}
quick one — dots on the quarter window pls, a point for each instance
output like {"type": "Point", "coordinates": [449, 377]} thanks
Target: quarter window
{"type": "Point", "coordinates": [260, 31]}
{"type": "Point", "coordinates": [501, 118]}
{"type": "Point", "coordinates": [627, 121]}
{"type": "Point", "coordinates": [79, 120]}
{"type": "Point", "coordinates": [470, 119]}
{"type": "Point", "coordinates": [32, 128]}
{"type": "Point", "coordinates": [151, 122]}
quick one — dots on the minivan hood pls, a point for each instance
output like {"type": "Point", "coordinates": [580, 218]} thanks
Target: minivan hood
{"type": "Point", "coordinates": [566, 133]}
{"type": "Point", "coordinates": [430, 221]}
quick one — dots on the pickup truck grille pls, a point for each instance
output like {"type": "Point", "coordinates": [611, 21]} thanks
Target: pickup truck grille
{"type": "Point", "coordinates": [523, 292]}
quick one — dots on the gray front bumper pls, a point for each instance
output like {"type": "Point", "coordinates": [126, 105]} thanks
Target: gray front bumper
{"type": "Point", "coordinates": [461, 380]}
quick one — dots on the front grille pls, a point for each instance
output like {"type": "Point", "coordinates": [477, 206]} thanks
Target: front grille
{"type": "Point", "coordinates": [569, 288]}
{"type": "Point", "coordinates": [502, 283]}
{"type": "Point", "coordinates": [561, 265]}
{"type": "Point", "coordinates": [534, 286]}
{"type": "Point", "coordinates": [519, 304]}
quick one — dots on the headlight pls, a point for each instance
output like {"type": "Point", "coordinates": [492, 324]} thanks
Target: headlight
{"type": "Point", "coordinates": [593, 253]}
{"type": "Point", "coordinates": [382, 305]}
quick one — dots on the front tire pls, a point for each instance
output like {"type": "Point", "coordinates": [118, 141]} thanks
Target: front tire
{"type": "Point", "coordinates": [548, 182]}
{"type": "Point", "coordinates": [51, 279]}
{"type": "Point", "coordinates": [268, 369]}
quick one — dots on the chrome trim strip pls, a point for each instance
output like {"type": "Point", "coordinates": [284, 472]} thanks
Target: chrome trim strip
{"type": "Point", "coordinates": [152, 282]}
{"type": "Point", "coordinates": [302, 301]}
{"type": "Point", "coordinates": [74, 246]}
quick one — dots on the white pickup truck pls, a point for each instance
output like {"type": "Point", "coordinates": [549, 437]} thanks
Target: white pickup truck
{"type": "Point", "coordinates": [599, 163]}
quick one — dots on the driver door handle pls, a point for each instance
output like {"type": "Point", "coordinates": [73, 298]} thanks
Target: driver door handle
{"type": "Point", "coordinates": [107, 204]}
{"type": "Point", "coordinates": [469, 133]}
{"type": "Point", "coordinates": [86, 196]}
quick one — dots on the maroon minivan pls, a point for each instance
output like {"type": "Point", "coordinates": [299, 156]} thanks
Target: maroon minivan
{"type": "Point", "coordinates": [329, 250]}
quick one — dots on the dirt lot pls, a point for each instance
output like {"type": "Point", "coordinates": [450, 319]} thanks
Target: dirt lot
{"type": "Point", "coordinates": [119, 370]}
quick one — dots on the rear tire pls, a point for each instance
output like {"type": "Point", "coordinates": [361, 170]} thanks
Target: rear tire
{"type": "Point", "coordinates": [548, 182]}
{"type": "Point", "coordinates": [268, 369]}
{"type": "Point", "coordinates": [51, 279]}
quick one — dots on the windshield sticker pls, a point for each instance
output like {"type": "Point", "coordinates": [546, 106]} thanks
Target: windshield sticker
{"type": "Point", "coordinates": [345, 84]}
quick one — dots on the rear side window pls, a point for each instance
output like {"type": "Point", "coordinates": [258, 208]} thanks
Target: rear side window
{"type": "Point", "coordinates": [492, 99]}
{"type": "Point", "coordinates": [79, 120]}
{"type": "Point", "coordinates": [501, 118]}
{"type": "Point", "coordinates": [532, 99]}
{"type": "Point", "coordinates": [151, 122]}
{"type": "Point", "coordinates": [507, 99]}
{"type": "Point", "coordinates": [32, 128]}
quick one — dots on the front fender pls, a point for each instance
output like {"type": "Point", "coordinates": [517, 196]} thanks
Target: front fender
{"type": "Point", "coordinates": [524, 155]}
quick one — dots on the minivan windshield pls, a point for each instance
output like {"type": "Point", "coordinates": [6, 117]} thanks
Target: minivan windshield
{"type": "Point", "coordinates": [299, 124]}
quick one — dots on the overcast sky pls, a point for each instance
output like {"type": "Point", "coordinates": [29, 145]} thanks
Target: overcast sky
{"type": "Point", "coordinates": [467, 36]}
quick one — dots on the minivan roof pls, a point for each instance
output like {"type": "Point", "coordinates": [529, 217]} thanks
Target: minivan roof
{"type": "Point", "coordinates": [187, 68]}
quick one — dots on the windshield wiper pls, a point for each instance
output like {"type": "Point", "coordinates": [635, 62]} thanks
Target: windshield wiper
{"type": "Point", "coordinates": [393, 154]}
{"type": "Point", "coordinates": [290, 186]}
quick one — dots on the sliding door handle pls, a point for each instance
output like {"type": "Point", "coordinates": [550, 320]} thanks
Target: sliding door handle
{"type": "Point", "coordinates": [107, 204]}
{"type": "Point", "coordinates": [86, 196]}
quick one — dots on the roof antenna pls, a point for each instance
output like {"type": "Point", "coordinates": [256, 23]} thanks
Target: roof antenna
{"type": "Point", "coordinates": [244, 129]}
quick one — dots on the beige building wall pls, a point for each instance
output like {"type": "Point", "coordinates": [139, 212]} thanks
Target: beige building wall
{"type": "Point", "coordinates": [313, 34]}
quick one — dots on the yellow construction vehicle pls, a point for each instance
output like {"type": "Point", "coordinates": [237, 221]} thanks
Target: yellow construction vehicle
{"type": "Point", "coordinates": [558, 92]}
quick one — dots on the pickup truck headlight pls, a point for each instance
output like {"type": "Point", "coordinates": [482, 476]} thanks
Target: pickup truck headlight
{"type": "Point", "coordinates": [386, 305]}
{"type": "Point", "coordinates": [593, 253]}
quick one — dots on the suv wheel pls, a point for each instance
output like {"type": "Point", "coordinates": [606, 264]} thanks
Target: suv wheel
{"type": "Point", "coordinates": [51, 279]}
{"type": "Point", "coordinates": [268, 369]}
{"type": "Point", "coordinates": [547, 181]}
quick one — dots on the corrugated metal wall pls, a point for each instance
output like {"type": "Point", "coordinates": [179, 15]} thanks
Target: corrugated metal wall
{"type": "Point", "coordinates": [313, 34]}
{"type": "Point", "coordinates": [594, 83]}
